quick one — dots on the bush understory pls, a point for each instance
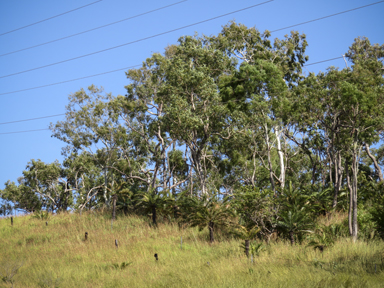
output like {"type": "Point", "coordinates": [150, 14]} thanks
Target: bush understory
{"type": "Point", "coordinates": [57, 255]}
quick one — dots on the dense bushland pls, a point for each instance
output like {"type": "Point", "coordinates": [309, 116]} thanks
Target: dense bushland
{"type": "Point", "coordinates": [225, 133]}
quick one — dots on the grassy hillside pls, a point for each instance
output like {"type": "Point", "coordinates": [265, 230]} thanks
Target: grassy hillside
{"type": "Point", "coordinates": [57, 256]}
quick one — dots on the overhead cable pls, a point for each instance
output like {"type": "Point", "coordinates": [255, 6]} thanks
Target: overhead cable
{"type": "Point", "coordinates": [135, 41]}
{"type": "Point", "coordinates": [328, 16]}
{"type": "Point", "coordinates": [49, 18]}
{"type": "Point", "coordinates": [93, 29]}
{"type": "Point", "coordinates": [32, 119]}
{"type": "Point", "coordinates": [24, 131]}
{"type": "Point", "coordinates": [71, 80]}
{"type": "Point", "coordinates": [103, 73]}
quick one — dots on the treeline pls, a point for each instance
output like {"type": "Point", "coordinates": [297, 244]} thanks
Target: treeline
{"type": "Point", "coordinates": [230, 125]}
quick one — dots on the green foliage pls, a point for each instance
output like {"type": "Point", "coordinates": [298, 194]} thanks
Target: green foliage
{"type": "Point", "coordinates": [207, 212]}
{"type": "Point", "coordinates": [377, 212]}
{"type": "Point", "coordinates": [122, 265]}
{"type": "Point", "coordinates": [42, 215]}
{"type": "Point", "coordinates": [257, 209]}
{"type": "Point", "coordinates": [256, 248]}
{"type": "Point", "coordinates": [151, 202]}
{"type": "Point", "coordinates": [294, 222]}
{"type": "Point", "coordinates": [323, 237]}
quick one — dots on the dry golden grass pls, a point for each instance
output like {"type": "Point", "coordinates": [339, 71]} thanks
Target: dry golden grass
{"type": "Point", "coordinates": [58, 255]}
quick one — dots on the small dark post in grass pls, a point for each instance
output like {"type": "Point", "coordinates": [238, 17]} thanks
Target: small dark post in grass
{"type": "Point", "coordinates": [86, 236]}
{"type": "Point", "coordinates": [116, 244]}
{"type": "Point", "coordinates": [46, 223]}
{"type": "Point", "coordinates": [156, 257]}
{"type": "Point", "coordinates": [11, 220]}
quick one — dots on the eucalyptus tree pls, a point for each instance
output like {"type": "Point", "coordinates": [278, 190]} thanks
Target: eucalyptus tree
{"type": "Point", "coordinates": [267, 72]}
{"type": "Point", "coordinates": [86, 180]}
{"type": "Point", "coordinates": [346, 108]}
{"type": "Point", "coordinates": [90, 127]}
{"type": "Point", "coordinates": [41, 186]}
{"type": "Point", "coordinates": [362, 104]}
{"type": "Point", "coordinates": [144, 110]}
{"type": "Point", "coordinates": [180, 91]}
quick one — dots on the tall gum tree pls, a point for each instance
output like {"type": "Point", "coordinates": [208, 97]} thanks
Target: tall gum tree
{"type": "Point", "coordinates": [346, 108]}
{"type": "Point", "coordinates": [187, 86]}
{"type": "Point", "coordinates": [267, 72]}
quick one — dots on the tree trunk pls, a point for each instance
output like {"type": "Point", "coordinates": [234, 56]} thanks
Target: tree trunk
{"type": "Point", "coordinates": [352, 217]}
{"type": "Point", "coordinates": [281, 157]}
{"type": "Point", "coordinates": [338, 178]}
{"type": "Point", "coordinates": [291, 237]}
{"type": "Point", "coordinates": [114, 207]}
{"type": "Point", "coordinates": [350, 198]}
{"type": "Point", "coordinates": [210, 226]}
{"type": "Point", "coordinates": [105, 187]}
{"type": "Point", "coordinates": [354, 195]}
{"type": "Point", "coordinates": [154, 217]}
{"type": "Point", "coordinates": [377, 167]}
{"type": "Point", "coordinates": [269, 160]}
{"type": "Point", "coordinates": [247, 248]}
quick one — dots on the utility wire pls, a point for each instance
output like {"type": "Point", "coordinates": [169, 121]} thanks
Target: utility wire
{"type": "Point", "coordinates": [32, 119]}
{"type": "Point", "coordinates": [328, 16]}
{"type": "Point", "coordinates": [47, 85]}
{"type": "Point", "coordinates": [64, 113]}
{"type": "Point", "coordinates": [135, 41]}
{"type": "Point", "coordinates": [103, 73]}
{"type": "Point", "coordinates": [24, 131]}
{"type": "Point", "coordinates": [29, 25]}
{"type": "Point", "coordinates": [322, 61]}
{"type": "Point", "coordinates": [93, 29]}
{"type": "Point", "coordinates": [71, 80]}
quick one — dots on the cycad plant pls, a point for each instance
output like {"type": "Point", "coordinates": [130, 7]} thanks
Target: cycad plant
{"type": "Point", "coordinates": [246, 233]}
{"type": "Point", "coordinates": [41, 214]}
{"type": "Point", "coordinates": [322, 239]}
{"type": "Point", "coordinates": [152, 202]}
{"type": "Point", "coordinates": [207, 212]}
{"type": "Point", "coordinates": [293, 222]}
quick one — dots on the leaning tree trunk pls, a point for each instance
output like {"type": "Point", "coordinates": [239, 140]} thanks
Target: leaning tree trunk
{"type": "Point", "coordinates": [247, 248]}
{"type": "Point", "coordinates": [377, 167]}
{"type": "Point", "coordinates": [291, 237]}
{"type": "Point", "coordinates": [210, 226]}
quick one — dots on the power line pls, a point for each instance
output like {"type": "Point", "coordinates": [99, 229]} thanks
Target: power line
{"type": "Point", "coordinates": [135, 41]}
{"type": "Point", "coordinates": [328, 16]}
{"type": "Point", "coordinates": [71, 80]}
{"type": "Point", "coordinates": [52, 84]}
{"type": "Point", "coordinates": [24, 131]}
{"type": "Point", "coordinates": [4, 123]}
{"type": "Point", "coordinates": [322, 61]}
{"type": "Point", "coordinates": [29, 25]}
{"type": "Point", "coordinates": [93, 29]}
{"type": "Point", "coordinates": [105, 73]}
{"type": "Point", "coordinates": [116, 70]}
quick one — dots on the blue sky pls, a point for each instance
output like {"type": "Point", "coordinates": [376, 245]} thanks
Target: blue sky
{"type": "Point", "coordinates": [327, 38]}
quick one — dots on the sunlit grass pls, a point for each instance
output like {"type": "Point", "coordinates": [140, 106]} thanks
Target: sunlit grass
{"type": "Point", "coordinates": [58, 255]}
